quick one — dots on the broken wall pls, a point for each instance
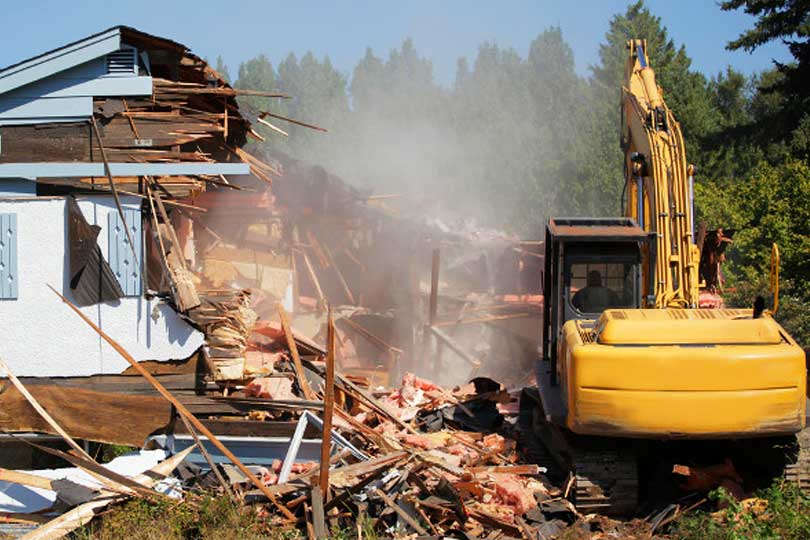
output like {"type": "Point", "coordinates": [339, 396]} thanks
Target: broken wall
{"type": "Point", "coordinates": [45, 338]}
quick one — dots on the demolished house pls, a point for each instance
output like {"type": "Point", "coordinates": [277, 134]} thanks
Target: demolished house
{"type": "Point", "coordinates": [216, 291]}
{"type": "Point", "coordinates": [126, 189]}
{"type": "Point", "coordinates": [88, 131]}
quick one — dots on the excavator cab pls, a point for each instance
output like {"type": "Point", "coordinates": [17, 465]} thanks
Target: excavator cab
{"type": "Point", "coordinates": [591, 265]}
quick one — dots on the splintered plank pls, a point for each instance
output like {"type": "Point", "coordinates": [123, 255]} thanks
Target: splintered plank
{"type": "Point", "coordinates": [318, 517]}
{"type": "Point", "coordinates": [26, 479]}
{"type": "Point", "coordinates": [299, 369]}
{"type": "Point", "coordinates": [400, 512]}
{"type": "Point", "coordinates": [328, 405]}
{"type": "Point", "coordinates": [434, 287]}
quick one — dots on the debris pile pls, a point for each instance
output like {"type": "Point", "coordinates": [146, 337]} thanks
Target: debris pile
{"type": "Point", "coordinates": [395, 454]}
{"type": "Point", "coordinates": [401, 459]}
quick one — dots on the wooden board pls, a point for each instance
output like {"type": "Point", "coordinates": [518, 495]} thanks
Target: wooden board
{"type": "Point", "coordinates": [252, 428]}
{"type": "Point", "coordinates": [85, 414]}
{"type": "Point", "coordinates": [74, 142]}
{"type": "Point", "coordinates": [127, 384]}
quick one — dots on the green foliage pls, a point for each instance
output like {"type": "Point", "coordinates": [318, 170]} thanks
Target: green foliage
{"type": "Point", "coordinates": [258, 74]}
{"type": "Point", "coordinates": [785, 21]}
{"type": "Point", "coordinates": [514, 141]}
{"type": "Point", "coordinates": [783, 513]}
{"type": "Point", "coordinates": [778, 19]}
{"type": "Point", "coordinates": [770, 205]}
{"type": "Point", "coordinates": [111, 451]}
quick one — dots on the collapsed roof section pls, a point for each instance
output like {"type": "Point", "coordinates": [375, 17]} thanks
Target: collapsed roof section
{"type": "Point", "coordinates": [126, 117]}
{"type": "Point", "coordinates": [158, 109]}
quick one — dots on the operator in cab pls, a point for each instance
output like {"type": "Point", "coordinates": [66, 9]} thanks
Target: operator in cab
{"type": "Point", "coordinates": [595, 297]}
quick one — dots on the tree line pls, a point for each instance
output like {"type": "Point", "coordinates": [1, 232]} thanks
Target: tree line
{"type": "Point", "coordinates": [515, 140]}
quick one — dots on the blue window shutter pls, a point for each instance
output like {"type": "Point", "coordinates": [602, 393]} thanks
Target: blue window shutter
{"type": "Point", "coordinates": [8, 256]}
{"type": "Point", "coordinates": [123, 264]}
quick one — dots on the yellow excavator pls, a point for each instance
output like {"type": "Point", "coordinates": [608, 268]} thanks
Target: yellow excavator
{"type": "Point", "coordinates": [631, 366]}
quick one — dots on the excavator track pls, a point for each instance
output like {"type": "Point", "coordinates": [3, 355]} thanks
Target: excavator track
{"type": "Point", "coordinates": [533, 437]}
{"type": "Point", "coordinates": [605, 477]}
{"type": "Point", "coordinates": [606, 481]}
{"type": "Point", "coordinates": [798, 472]}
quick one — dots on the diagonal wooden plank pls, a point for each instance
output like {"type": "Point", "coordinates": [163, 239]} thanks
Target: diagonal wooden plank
{"type": "Point", "coordinates": [181, 409]}
{"type": "Point", "coordinates": [401, 513]}
{"type": "Point", "coordinates": [328, 404]}
{"type": "Point", "coordinates": [42, 412]}
{"type": "Point", "coordinates": [296, 358]}
{"type": "Point", "coordinates": [113, 189]}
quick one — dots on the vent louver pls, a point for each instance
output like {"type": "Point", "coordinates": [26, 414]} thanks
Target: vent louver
{"type": "Point", "coordinates": [121, 62]}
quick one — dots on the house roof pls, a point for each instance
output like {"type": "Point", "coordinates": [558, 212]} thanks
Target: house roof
{"type": "Point", "coordinates": [65, 57]}
{"type": "Point", "coordinates": [173, 98]}
{"type": "Point", "coordinates": [86, 49]}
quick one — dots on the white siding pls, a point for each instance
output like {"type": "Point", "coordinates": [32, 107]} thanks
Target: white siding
{"type": "Point", "coordinates": [43, 337]}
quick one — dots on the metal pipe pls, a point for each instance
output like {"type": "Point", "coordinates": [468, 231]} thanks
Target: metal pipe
{"type": "Point", "coordinates": [640, 199]}
{"type": "Point", "coordinates": [637, 158]}
{"type": "Point", "coordinates": [690, 171]}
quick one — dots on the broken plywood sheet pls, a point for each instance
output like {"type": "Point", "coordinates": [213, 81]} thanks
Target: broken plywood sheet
{"type": "Point", "coordinates": [277, 282]}
{"type": "Point", "coordinates": [267, 271]}
{"type": "Point", "coordinates": [107, 417]}
{"type": "Point", "coordinates": [265, 258]}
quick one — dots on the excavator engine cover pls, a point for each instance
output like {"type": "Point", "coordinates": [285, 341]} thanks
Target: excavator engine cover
{"type": "Point", "coordinates": [681, 373]}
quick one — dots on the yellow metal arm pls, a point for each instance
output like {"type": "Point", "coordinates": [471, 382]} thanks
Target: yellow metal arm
{"type": "Point", "coordinates": [658, 184]}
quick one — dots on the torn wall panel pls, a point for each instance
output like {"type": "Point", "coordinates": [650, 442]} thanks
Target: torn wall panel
{"type": "Point", "coordinates": [91, 279]}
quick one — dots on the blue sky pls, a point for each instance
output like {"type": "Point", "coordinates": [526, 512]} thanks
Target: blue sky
{"type": "Point", "coordinates": [342, 29]}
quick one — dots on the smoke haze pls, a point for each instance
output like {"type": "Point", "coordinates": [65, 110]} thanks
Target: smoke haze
{"type": "Point", "coordinates": [502, 146]}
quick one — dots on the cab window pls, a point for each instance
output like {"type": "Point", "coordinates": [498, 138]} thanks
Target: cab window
{"type": "Point", "coordinates": [597, 286]}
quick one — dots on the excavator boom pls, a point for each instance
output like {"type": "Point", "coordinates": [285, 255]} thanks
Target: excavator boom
{"type": "Point", "coordinates": [659, 186]}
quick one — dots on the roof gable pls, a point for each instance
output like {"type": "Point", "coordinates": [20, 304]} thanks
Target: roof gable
{"type": "Point", "coordinates": [61, 59]}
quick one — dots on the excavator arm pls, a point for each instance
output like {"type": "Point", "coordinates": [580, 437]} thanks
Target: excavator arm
{"type": "Point", "coordinates": [658, 187]}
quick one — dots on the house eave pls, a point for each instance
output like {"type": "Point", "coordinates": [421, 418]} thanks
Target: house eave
{"type": "Point", "coordinates": [84, 170]}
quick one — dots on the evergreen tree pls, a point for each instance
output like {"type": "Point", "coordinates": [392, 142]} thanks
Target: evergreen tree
{"type": "Point", "coordinates": [686, 92]}
{"type": "Point", "coordinates": [222, 69]}
{"type": "Point", "coordinates": [493, 118]}
{"type": "Point", "coordinates": [727, 150]}
{"type": "Point", "coordinates": [318, 96]}
{"type": "Point", "coordinates": [560, 103]}
{"type": "Point", "coordinates": [257, 74]}
{"type": "Point", "coordinates": [787, 21]}
{"type": "Point", "coordinates": [399, 138]}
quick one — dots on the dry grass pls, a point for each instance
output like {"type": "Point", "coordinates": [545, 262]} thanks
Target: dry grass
{"type": "Point", "coordinates": [202, 517]}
